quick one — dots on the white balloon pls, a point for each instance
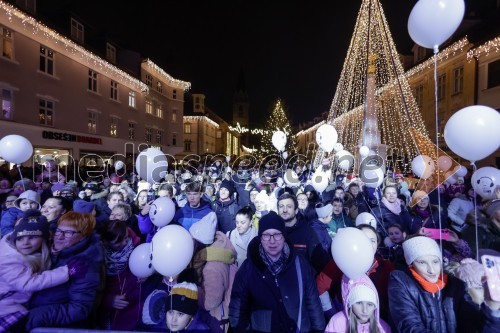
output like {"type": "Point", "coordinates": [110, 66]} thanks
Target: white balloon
{"type": "Point", "coordinates": [228, 158]}
{"type": "Point", "coordinates": [279, 140]}
{"type": "Point", "coordinates": [485, 180]}
{"type": "Point", "coordinates": [472, 132]}
{"type": "Point", "coordinates": [338, 147]}
{"type": "Point", "coordinates": [423, 166]}
{"type": "Point", "coordinates": [291, 178]}
{"type": "Point", "coordinates": [432, 22]}
{"type": "Point", "coordinates": [119, 165]}
{"type": "Point", "coordinates": [461, 171]}
{"type": "Point", "coordinates": [319, 180]}
{"type": "Point", "coordinates": [345, 159]}
{"type": "Point", "coordinates": [451, 178]}
{"type": "Point", "coordinates": [139, 261]}
{"type": "Point", "coordinates": [352, 251]}
{"type": "Point", "coordinates": [366, 218]}
{"type": "Point", "coordinates": [285, 155]}
{"type": "Point", "coordinates": [172, 249]}
{"type": "Point", "coordinates": [364, 151]}
{"type": "Point", "coordinates": [326, 137]}
{"type": "Point", "coordinates": [151, 165]}
{"type": "Point", "coordinates": [162, 211]}
{"type": "Point", "coordinates": [372, 178]}
{"type": "Point", "coordinates": [15, 148]}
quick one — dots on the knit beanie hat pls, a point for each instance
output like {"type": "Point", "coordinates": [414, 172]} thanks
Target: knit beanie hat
{"type": "Point", "coordinates": [30, 195]}
{"type": "Point", "coordinates": [204, 230]}
{"type": "Point", "coordinates": [324, 211]}
{"type": "Point", "coordinates": [271, 221]}
{"type": "Point", "coordinates": [227, 184]}
{"type": "Point", "coordinates": [82, 206]}
{"type": "Point", "coordinates": [262, 197]}
{"type": "Point", "coordinates": [420, 246]}
{"type": "Point", "coordinates": [362, 293]}
{"type": "Point", "coordinates": [471, 272]}
{"type": "Point", "coordinates": [33, 223]}
{"type": "Point", "coordinates": [184, 298]}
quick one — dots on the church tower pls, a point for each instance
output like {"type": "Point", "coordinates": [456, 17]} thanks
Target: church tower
{"type": "Point", "coordinates": [241, 104]}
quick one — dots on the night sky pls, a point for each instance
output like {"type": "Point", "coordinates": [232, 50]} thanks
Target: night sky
{"type": "Point", "coordinates": [288, 49]}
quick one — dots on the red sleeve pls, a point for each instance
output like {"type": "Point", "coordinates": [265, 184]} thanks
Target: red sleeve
{"type": "Point", "coordinates": [330, 275]}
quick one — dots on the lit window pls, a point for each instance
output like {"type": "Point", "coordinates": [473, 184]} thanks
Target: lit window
{"type": "Point", "coordinates": [159, 111]}
{"type": "Point", "coordinates": [131, 99]}
{"type": "Point", "coordinates": [92, 86]}
{"type": "Point", "coordinates": [149, 80]}
{"type": "Point", "coordinates": [159, 87]}
{"type": "Point", "coordinates": [6, 102]}
{"type": "Point", "coordinates": [114, 90]}
{"type": "Point", "coordinates": [187, 128]}
{"type": "Point", "coordinates": [149, 106]}
{"type": "Point", "coordinates": [46, 112]}
{"type": "Point", "coordinates": [113, 130]}
{"type": "Point", "coordinates": [46, 60]}
{"type": "Point", "coordinates": [92, 122]}
{"type": "Point", "coordinates": [174, 116]}
{"type": "Point", "coordinates": [6, 45]}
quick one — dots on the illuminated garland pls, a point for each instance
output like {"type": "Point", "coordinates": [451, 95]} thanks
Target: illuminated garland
{"type": "Point", "coordinates": [241, 129]}
{"type": "Point", "coordinates": [201, 118]}
{"type": "Point", "coordinates": [277, 121]}
{"type": "Point", "coordinates": [173, 82]}
{"type": "Point", "coordinates": [488, 47]}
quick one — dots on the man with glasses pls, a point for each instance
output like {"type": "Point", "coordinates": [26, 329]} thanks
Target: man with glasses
{"type": "Point", "coordinates": [274, 289]}
{"type": "Point", "coordinates": [73, 303]}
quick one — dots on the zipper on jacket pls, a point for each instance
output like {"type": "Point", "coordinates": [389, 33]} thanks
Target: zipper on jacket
{"type": "Point", "coordinates": [276, 281]}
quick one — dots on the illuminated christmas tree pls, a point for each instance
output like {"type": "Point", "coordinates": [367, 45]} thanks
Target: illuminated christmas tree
{"type": "Point", "coordinates": [373, 104]}
{"type": "Point", "coordinates": [277, 121]}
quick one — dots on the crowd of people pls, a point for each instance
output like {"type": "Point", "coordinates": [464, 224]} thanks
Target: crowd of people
{"type": "Point", "coordinates": [262, 257]}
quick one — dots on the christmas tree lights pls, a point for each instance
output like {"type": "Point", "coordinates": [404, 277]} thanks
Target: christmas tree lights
{"type": "Point", "coordinates": [278, 121]}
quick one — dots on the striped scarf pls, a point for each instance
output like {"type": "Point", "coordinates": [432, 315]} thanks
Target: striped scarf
{"type": "Point", "coordinates": [117, 261]}
{"type": "Point", "coordinates": [275, 266]}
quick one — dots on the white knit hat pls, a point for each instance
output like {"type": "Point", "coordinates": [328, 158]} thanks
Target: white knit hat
{"type": "Point", "coordinates": [362, 293]}
{"type": "Point", "coordinates": [420, 246]}
{"type": "Point", "coordinates": [262, 197]}
{"type": "Point", "coordinates": [324, 211]}
{"type": "Point", "coordinates": [204, 229]}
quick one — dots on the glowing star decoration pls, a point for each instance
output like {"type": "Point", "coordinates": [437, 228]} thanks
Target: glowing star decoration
{"type": "Point", "coordinates": [438, 176]}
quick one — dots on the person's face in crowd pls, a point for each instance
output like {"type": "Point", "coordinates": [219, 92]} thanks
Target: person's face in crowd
{"type": "Point", "coordinates": [88, 192]}
{"type": "Point", "coordinates": [66, 236]}
{"type": "Point", "coordinates": [253, 194]}
{"type": "Point", "coordinates": [115, 199]}
{"type": "Point", "coordinates": [391, 194]}
{"type": "Point", "coordinates": [118, 214]}
{"type": "Point", "coordinates": [395, 235]}
{"type": "Point", "coordinates": [46, 185]}
{"type": "Point", "coordinates": [118, 246]}
{"type": "Point", "coordinates": [223, 193]}
{"type": "Point", "coordinates": [124, 194]}
{"type": "Point", "coordinates": [142, 198]}
{"type": "Point", "coordinates": [66, 194]}
{"type": "Point", "coordinates": [114, 188]}
{"type": "Point", "coordinates": [164, 193]}
{"type": "Point", "coordinates": [4, 184]}
{"type": "Point", "coordinates": [274, 245]}
{"type": "Point", "coordinates": [337, 208]}
{"type": "Point", "coordinates": [209, 191]}
{"type": "Point", "coordinates": [363, 311]}
{"type": "Point", "coordinates": [52, 209]}
{"type": "Point", "coordinates": [29, 244]}
{"type": "Point", "coordinates": [428, 267]}
{"type": "Point", "coordinates": [302, 201]}
{"type": "Point", "coordinates": [339, 194]}
{"type": "Point", "coordinates": [9, 202]}
{"type": "Point", "coordinates": [287, 210]}
{"type": "Point", "coordinates": [106, 182]}
{"type": "Point", "coordinates": [260, 206]}
{"type": "Point", "coordinates": [372, 237]}
{"type": "Point", "coordinates": [242, 223]}
{"type": "Point", "coordinates": [177, 321]}
{"type": "Point", "coordinates": [423, 203]}
{"type": "Point", "coordinates": [193, 198]}
{"type": "Point", "coordinates": [18, 189]}
{"type": "Point", "coordinates": [354, 190]}
{"type": "Point", "coordinates": [125, 182]}
{"type": "Point", "coordinates": [308, 194]}
{"type": "Point", "coordinates": [26, 204]}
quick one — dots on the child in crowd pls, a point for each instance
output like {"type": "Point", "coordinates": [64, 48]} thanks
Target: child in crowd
{"type": "Point", "coordinates": [29, 199]}
{"type": "Point", "coordinates": [320, 225]}
{"type": "Point", "coordinates": [394, 245]}
{"type": "Point", "coordinates": [339, 217]}
{"type": "Point", "coordinates": [242, 234]}
{"type": "Point", "coordinates": [261, 203]}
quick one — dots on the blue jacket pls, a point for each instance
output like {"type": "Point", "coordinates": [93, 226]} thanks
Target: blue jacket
{"type": "Point", "coordinates": [324, 237]}
{"type": "Point", "coordinates": [186, 216]}
{"type": "Point", "coordinates": [73, 303]}
{"type": "Point", "coordinates": [261, 302]}
{"type": "Point", "coordinates": [9, 218]}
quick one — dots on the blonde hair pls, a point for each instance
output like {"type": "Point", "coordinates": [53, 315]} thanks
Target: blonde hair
{"type": "Point", "coordinates": [353, 323]}
{"type": "Point", "coordinates": [38, 261]}
{"type": "Point", "coordinates": [80, 221]}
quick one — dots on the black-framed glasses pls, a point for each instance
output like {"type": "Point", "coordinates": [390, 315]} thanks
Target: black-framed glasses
{"type": "Point", "coordinates": [66, 233]}
{"type": "Point", "coordinates": [276, 237]}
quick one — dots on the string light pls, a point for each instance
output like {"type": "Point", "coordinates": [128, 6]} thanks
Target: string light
{"type": "Point", "coordinates": [171, 81]}
{"type": "Point", "coordinates": [490, 46]}
{"type": "Point", "coordinates": [278, 121]}
{"type": "Point", "coordinates": [200, 118]}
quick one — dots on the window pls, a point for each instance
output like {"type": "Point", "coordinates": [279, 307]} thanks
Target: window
{"type": "Point", "coordinates": [6, 44]}
{"type": "Point", "coordinates": [218, 135]}
{"type": "Point", "coordinates": [149, 80]}
{"type": "Point", "coordinates": [159, 111]}
{"type": "Point", "coordinates": [113, 130]}
{"type": "Point", "coordinates": [149, 106]}
{"type": "Point", "coordinates": [114, 90]}
{"type": "Point", "coordinates": [149, 134]}
{"type": "Point", "coordinates": [174, 116]}
{"type": "Point", "coordinates": [6, 101]}
{"type": "Point", "coordinates": [174, 139]}
{"type": "Point", "coordinates": [131, 131]}
{"type": "Point", "coordinates": [174, 94]}
{"type": "Point", "coordinates": [77, 31]}
{"type": "Point", "coordinates": [187, 128]}
{"type": "Point", "coordinates": [159, 137]}
{"type": "Point", "coordinates": [159, 87]}
{"type": "Point", "coordinates": [441, 86]}
{"type": "Point", "coordinates": [111, 53]}
{"type": "Point", "coordinates": [46, 60]}
{"type": "Point", "coordinates": [458, 80]}
{"type": "Point", "coordinates": [46, 112]}
{"type": "Point", "coordinates": [92, 122]}
{"type": "Point", "coordinates": [419, 95]}
{"type": "Point", "coordinates": [187, 145]}
{"type": "Point", "coordinates": [28, 5]}
{"type": "Point", "coordinates": [494, 74]}
{"type": "Point", "coordinates": [131, 99]}
{"type": "Point", "coordinates": [92, 81]}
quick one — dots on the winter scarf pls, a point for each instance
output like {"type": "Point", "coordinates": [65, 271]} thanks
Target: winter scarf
{"type": "Point", "coordinates": [429, 286]}
{"type": "Point", "coordinates": [117, 261]}
{"type": "Point", "coordinates": [275, 266]}
{"type": "Point", "coordinates": [394, 207]}
{"type": "Point", "coordinates": [423, 212]}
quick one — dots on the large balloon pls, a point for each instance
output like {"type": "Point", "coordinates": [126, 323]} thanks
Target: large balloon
{"type": "Point", "coordinates": [338, 147]}
{"type": "Point", "coordinates": [319, 180]}
{"type": "Point", "coordinates": [162, 211]}
{"type": "Point", "coordinates": [172, 250]}
{"type": "Point", "coordinates": [460, 171]}
{"type": "Point", "coordinates": [364, 151]}
{"type": "Point", "coordinates": [423, 166]}
{"type": "Point", "coordinates": [151, 165]}
{"type": "Point", "coordinates": [444, 163]}
{"type": "Point", "coordinates": [432, 22]}
{"type": "Point", "coordinates": [372, 177]}
{"type": "Point", "coordinates": [352, 252]}
{"type": "Point", "coordinates": [119, 165]}
{"type": "Point", "coordinates": [472, 132]}
{"type": "Point", "coordinates": [366, 218]}
{"type": "Point", "coordinates": [139, 261]}
{"type": "Point", "coordinates": [291, 178]}
{"type": "Point", "coordinates": [345, 159]}
{"type": "Point", "coordinates": [326, 137]}
{"type": "Point", "coordinates": [485, 180]}
{"type": "Point", "coordinates": [15, 148]}
{"type": "Point", "coordinates": [279, 140]}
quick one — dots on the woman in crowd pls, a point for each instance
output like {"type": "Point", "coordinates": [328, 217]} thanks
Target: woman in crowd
{"type": "Point", "coordinates": [244, 232]}
{"type": "Point", "coordinates": [391, 210]}
{"type": "Point", "coordinates": [225, 206]}
{"type": "Point", "coordinates": [424, 215]}
{"type": "Point", "coordinates": [54, 208]}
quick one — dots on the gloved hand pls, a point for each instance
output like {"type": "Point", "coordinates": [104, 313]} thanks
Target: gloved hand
{"type": "Point", "coordinates": [77, 268]}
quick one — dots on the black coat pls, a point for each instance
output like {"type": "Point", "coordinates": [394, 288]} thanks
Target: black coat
{"type": "Point", "coordinates": [226, 214]}
{"type": "Point", "coordinates": [386, 218]}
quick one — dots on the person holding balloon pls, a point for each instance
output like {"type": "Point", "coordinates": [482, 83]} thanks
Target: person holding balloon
{"type": "Point", "coordinates": [488, 228]}
{"type": "Point", "coordinates": [459, 207]}
{"type": "Point", "coordinates": [391, 210]}
{"type": "Point", "coordinates": [425, 215]}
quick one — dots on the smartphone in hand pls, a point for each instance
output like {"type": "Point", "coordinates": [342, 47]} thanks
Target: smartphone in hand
{"type": "Point", "coordinates": [437, 233]}
{"type": "Point", "coordinates": [492, 270]}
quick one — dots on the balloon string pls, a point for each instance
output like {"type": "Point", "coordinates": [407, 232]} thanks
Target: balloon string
{"type": "Point", "coordinates": [474, 168]}
{"type": "Point", "coordinates": [21, 175]}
